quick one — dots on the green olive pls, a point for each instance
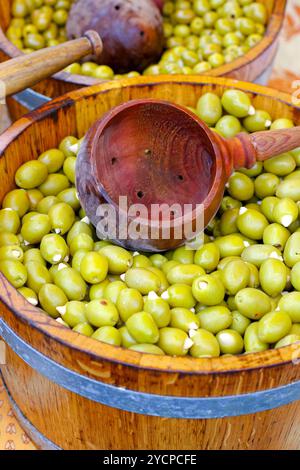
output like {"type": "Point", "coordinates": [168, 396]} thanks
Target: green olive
{"type": "Point", "coordinates": [285, 212]}
{"type": "Point", "coordinates": [230, 341]}
{"type": "Point", "coordinates": [38, 275]}
{"type": "Point", "coordinates": [53, 159]}
{"type": "Point", "coordinates": [84, 329]}
{"type": "Point", "coordinates": [9, 221]}
{"type": "Point", "coordinates": [29, 295]}
{"type": "Point", "coordinates": [252, 341]}
{"type": "Point", "coordinates": [34, 254]}
{"type": "Point", "coordinates": [230, 245]}
{"type": "Point", "coordinates": [291, 252]}
{"type": "Point", "coordinates": [184, 319]}
{"type": "Point", "coordinates": [17, 200]}
{"type": "Point", "coordinates": [94, 268]}
{"type": "Point", "coordinates": [54, 249]}
{"type": "Point", "coordinates": [209, 108]}
{"type": "Point", "coordinates": [62, 217]}
{"type": "Point", "coordinates": [108, 335]}
{"type": "Point", "coordinates": [119, 260]}
{"type": "Point", "coordinates": [281, 165]}
{"type": "Point", "coordinates": [179, 295]}
{"type": "Point", "coordinates": [295, 276]}
{"type": "Point", "coordinates": [239, 323]}
{"type": "Point", "coordinates": [257, 254]}
{"type": "Point", "coordinates": [71, 283]}
{"type": "Point", "coordinates": [287, 341]}
{"type": "Point", "coordinates": [274, 326]}
{"type": "Point", "coordinates": [208, 257]}
{"type": "Point", "coordinates": [268, 205]}
{"type": "Point", "coordinates": [252, 223]}
{"type": "Point", "coordinates": [142, 280]}
{"type": "Point", "coordinates": [143, 328]}
{"type": "Point", "coordinates": [276, 235]}
{"type": "Point", "coordinates": [184, 274]}
{"type": "Point", "coordinates": [97, 291]}
{"type": "Point", "coordinates": [46, 203]}
{"type": "Point", "coordinates": [35, 229]}
{"type": "Point", "coordinates": [141, 261]}
{"type": "Point", "coordinates": [183, 255]}
{"type": "Point", "coordinates": [273, 277]}
{"type": "Point", "coordinates": [51, 298]}
{"type": "Point", "coordinates": [266, 185]}
{"type": "Point", "coordinates": [8, 239]}
{"type": "Point", "coordinates": [205, 344]}
{"type": "Point", "coordinates": [82, 241]}
{"type": "Point", "coordinates": [126, 339]}
{"type": "Point", "coordinates": [31, 174]}
{"type": "Point", "coordinates": [289, 189]}
{"type": "Point", "coordinates": [174, 342]}
{"type": "Point", "coordinates": [11, 252]}
{"type": "Point", "coordinates": [14, 271]}
{"type": "Point", "coordinates": [129, 302]}
{"type": "Point", "coordinates": [78, 228]}
{"type": "Point", "coordinates": [252, 303]}
{"type": "Point", "coordinates": [102, 312]}
{"type": "Point", "coordinates": [54, 184]}
{"type": "Point", "coordinates": [215, 319]}
{"type": "Point", "coordinates": [237, 103]}
{"type": "Point", "coordinates": [113, 290]}
{"type": "Point", "coordinates": [147, 349]}
{"type": "Point", "coordinates": [290, 303]}
{"type": "Point", "coordinates": [235, 276]}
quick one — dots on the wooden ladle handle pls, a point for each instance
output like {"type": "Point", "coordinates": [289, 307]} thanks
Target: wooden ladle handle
{"type": "Point", "coordinates": [271, 143]}
{"type": "Point", "coordinates": [29, 69]}
{"type": "Point", "coordinates": [245, 149]}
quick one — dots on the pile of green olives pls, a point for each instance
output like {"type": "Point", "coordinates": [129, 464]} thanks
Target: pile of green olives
{"type": "Point", "coordinates": [239, 292]}
{"type": "Point", "coordinates": [199, 34]}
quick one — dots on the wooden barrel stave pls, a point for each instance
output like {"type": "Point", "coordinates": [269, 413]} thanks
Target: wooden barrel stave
{"type": "Point", "coordinates": [69, 421]}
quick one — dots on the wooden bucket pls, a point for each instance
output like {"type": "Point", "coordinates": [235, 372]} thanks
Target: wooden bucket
{"type": "Point", "coordinates": [255, 66]}
{"type": "Point", "coordinates": [73, 392]}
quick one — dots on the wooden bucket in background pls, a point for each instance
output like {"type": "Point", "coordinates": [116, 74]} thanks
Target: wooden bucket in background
{"type": "Point", "coordinates": [255, 66]}
{"type": "Point", "coordinates": [72, 392]}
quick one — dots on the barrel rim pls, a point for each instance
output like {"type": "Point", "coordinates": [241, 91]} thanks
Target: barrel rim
{"type": "Point", "coordinates": [152, 404]}
{"type": "Point", "coordinates": [38, 320]}
{"type": "Point", "coordinates": [272, 32]}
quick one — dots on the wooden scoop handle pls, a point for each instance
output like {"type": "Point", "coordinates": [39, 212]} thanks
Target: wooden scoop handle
{"type": "Point", "coordinates": [271, 143]}
{"type": "Point", "coordinates": [29, 69]}
{"type": "Point", "coordinates": [246, 149]}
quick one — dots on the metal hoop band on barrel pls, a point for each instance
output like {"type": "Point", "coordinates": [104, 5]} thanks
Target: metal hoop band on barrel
{"type": "Point", "coordinates": [30, 99]}
{"type": "Point", "coordinates": [145, 403]}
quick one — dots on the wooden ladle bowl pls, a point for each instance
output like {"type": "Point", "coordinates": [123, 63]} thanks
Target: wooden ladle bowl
{"type": "Point", "coordinates": [162, 171]}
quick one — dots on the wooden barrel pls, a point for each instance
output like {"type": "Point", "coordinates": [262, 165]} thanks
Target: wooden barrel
{"type": "Point", "coordinates": [73, 392]}
{"type": "Point", "coordinates": [255, 66]}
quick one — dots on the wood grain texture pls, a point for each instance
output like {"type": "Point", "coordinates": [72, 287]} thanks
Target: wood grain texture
{"type": "Point", "coordinates": [86, 425]}
{"type": "Point", "coordinates": [27, 70]}
{"type": "Point", "coordinates": [154, 153]}
{"type": "Point", "coordinates": [249, 67]}
{"type": "Point", "coordinates": [44, 403]}
{"type": "Point", "coordinates": [271, 143]}
{"type": "Point", "coordinates": [131, 30]}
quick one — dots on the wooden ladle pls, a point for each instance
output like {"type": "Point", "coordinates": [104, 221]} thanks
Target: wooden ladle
{"type": "Point", "coordinates": [154, 152]}
{"type": "Point", "coordinates": [29, 69]}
